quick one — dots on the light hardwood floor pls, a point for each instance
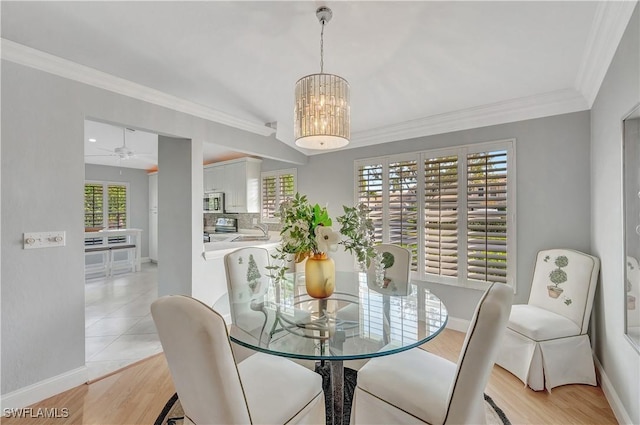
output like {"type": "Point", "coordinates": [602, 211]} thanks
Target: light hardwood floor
{"type": "Point", "coordinates": [137, 394]}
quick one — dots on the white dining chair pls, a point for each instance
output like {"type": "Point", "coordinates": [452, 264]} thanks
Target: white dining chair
{"type": "Point", "coordinates": [546, 342]}
{"type": "Point", "coordinates": [394, 272]}
{"type": "Point", "coordinates": [213, 389]}
{"type": "Point", "coordinates": [415, 386]}
{"type": "Point", "coordinates": [247, 283]}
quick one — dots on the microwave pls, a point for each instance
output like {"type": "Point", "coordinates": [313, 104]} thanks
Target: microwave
{"type": "Point", "coordinates": [214, 202]}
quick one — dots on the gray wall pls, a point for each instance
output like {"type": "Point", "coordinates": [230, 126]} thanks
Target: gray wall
{"type": "Point", "coordinates": [180, 185]}
{"type": "Point", "coordinates": [138, 194]}
{"type": "Point", "coordinates": [42, 291]}
{"type": "Point", "coordinates": [552, 166]}
{"type": "Point", "coordinates": [619, 92]}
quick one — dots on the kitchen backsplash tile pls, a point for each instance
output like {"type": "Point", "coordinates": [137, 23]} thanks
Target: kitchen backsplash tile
{"type": "Point", "coordinates": [245, 221]}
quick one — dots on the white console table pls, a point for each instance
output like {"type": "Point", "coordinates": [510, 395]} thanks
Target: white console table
{"type": "Point", "coordinates": [134, 239]}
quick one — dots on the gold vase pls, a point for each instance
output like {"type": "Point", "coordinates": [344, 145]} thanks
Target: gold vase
{"type": "Point", "coordinates": [320, 276]}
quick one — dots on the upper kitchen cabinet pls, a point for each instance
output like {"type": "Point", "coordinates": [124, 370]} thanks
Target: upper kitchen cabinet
{"type": "Point", "coordinates": [239, 179]}
{"type": "Point", "coordinates": [214, 180]}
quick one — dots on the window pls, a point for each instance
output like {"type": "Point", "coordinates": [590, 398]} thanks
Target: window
{"type": "Point", "coordinates": [487, 216]}
{"type": "Point", "coordinates": [106, 205]}
{"type": "Point", "coordinates": [403, 206]}
{"type": "Point", "coordinates": [441, 215]}
{"type": "Point", "coordinates": [117, 206]}
{"type": "Point", "coordinates": [93, 205]}
{"type": "Point", "coordinates": [277, 186]}
{"type": "Point", "coordinates": [453, 208]}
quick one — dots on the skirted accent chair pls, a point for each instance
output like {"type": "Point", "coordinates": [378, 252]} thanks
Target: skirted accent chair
{"type": "Point", "coordinates": [213, 389]}
{"type": "Point", "coordinates": [415, 386]}
{"type": "Point", "coordinates": [546, 342]}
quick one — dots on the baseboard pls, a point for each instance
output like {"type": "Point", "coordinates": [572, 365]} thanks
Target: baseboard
{"type": "Point", "coordinates": [610, 393]}
{"type": "Point", "coordinates": [44, 389]}
{"type": "Point", "coordinates": [145, 260]}
{"type": "Point", "coordinates": [460, 325]}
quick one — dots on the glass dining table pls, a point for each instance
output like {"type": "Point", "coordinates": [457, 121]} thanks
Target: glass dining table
{"type": "Point", "coordinates": [360, 320]}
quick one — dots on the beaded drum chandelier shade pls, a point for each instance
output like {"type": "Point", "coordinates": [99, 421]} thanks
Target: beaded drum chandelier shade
{"type": "Point", "coordinates": [322, 111]}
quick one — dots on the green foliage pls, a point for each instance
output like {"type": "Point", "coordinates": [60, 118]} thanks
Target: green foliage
{"type": "Point", "coordinates": [357, 227]}
{"type": "Point", "coordinates": [297, 217]}
{"type": "Point", "coordinates": [388, 259]}
{"type": "Point", "coordinates": [252, 271]}
{"type": "Point", "coordinates": [299, 220]}
{"type": "Point", "coordinates": [253, 274]}
{"type": "Point", "coordinates": [558, 276]}
{"type": "Point", "coordinates": [562, 261]}
{"type": "Point", "coordinates": [320, 217]}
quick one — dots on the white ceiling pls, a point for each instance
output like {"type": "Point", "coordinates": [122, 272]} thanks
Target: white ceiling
{"type": "Point", "coordinates": [108, 137]}
{"type": "Point", "coordinates": [142, 144]}
{"type": "Point", "coordinates": [415, 67]}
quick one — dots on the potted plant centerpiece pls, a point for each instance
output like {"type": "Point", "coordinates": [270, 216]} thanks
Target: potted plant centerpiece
{"type": "Point", "coordinates": [307, 234]}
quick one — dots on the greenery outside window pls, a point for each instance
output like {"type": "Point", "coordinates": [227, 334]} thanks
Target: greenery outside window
{"type": "Point", "coordinates": [106, 206]}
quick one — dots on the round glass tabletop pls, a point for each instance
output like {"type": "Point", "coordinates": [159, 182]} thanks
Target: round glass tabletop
{"type": "Point", "coordinates": [359, 320]}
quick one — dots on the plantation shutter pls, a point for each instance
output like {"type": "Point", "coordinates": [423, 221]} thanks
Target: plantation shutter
{"type": "Point", "coordinates": [369, 192]}
{"type": "Point", "coordinates": [287, 187]}
{"type": "Point", "coordinates": [269, 196]}
{"type": "Point", "coordinates": [375, 311]}
{"type": "Point", "coordinates": [93, 205]}
{"type": "Point", "coordinates": [441, 215]}
{"type": "Point", "coordinates": [453, 208]}
{"type": "Point", "coordinates": [117, 204]}
{"type": "Point", "coordinates": [403, 207]}
{"type": "Point", "coordinates": [276, 188]}
{"type": "Point", "coordinates": [487, 216]}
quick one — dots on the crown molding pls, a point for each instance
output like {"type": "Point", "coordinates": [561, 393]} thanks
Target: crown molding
{"type": "Point", "coordinates": [537, 106]}
{"type": "Point", "coordinates": [27, 56]}
{"type": "Point", "coordinates": [608, 26]}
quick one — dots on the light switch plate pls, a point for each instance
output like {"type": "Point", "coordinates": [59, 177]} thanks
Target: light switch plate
{"type": "Point", "coordinates": [44, 239]}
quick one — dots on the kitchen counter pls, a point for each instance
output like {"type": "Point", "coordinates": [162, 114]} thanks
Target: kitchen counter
{"type": "Point", "coordinates": [223, 243]}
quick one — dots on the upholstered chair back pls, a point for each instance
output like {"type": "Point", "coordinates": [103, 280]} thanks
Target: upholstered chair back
{"type": "Point", "coordinates": [247, 283]}
{"type": "Point", "coordinates": [196, 344]}
{"type": "Point", "coordinates": [564, 282]}
{"type": "Point", "coordinates": [395, 272]}
{"type": "Point", "coordinates": [478, 353]}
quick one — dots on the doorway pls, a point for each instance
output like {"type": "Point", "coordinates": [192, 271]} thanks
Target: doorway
{"type": "Point", "coordinates": [119, 330]}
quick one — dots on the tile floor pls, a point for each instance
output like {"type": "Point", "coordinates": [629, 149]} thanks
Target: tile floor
{"type": "Point", "coordinates": [119, 329]}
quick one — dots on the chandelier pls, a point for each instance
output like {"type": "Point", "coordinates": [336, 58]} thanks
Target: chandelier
{"type": "Point", "coordinates": [322, 112]}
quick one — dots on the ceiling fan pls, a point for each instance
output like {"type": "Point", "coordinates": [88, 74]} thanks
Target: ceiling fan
{"type": "Point", "coordinates": [121, 152]}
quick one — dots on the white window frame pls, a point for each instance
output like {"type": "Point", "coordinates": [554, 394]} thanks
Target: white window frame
{"type": "Point", "coordinates": [105, 199]}
{"type": "Point", "coordinates": [461, 152]}
{"type": "Point", "coordinates": [276, 173]}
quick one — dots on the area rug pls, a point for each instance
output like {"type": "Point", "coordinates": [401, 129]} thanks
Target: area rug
{"type": "Point", "coordinates": [172, 413]}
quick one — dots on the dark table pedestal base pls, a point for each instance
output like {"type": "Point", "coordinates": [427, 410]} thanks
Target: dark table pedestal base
{"type": "Point", "coordinates": [338, 407]}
